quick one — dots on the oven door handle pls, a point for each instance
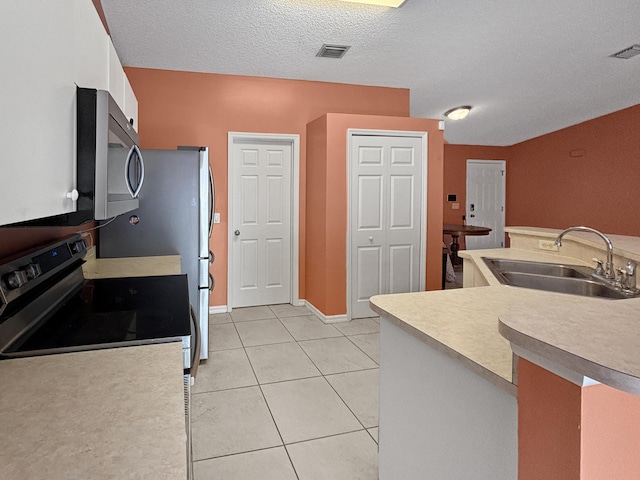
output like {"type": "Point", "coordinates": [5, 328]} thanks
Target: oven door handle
{"type": "Point", "coordinates": [196, 342]}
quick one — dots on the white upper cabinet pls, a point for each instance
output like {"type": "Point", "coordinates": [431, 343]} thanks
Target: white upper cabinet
{"type": "Point", "coordinates": [91, 47]}
{"type": "Point", "coordinates": [37, 109]}
{"type": "Point", "coordinates": [49, 47]}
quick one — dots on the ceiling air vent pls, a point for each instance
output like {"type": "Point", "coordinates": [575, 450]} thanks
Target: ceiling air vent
{"type": "Point", "coordinates": [332, 51]}
{"type": "Point", "coordinates": [627, 53]}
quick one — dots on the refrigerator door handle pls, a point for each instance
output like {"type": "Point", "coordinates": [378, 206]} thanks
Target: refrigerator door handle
{"type": "Point", "coordinates": [196, 342]}
{"type": "Point", "coordinates": [212, 200]}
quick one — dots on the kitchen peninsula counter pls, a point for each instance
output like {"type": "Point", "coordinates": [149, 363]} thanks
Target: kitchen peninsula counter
{"type": "Point", "coordinates": [103, 414]}
{"type": "Point", "coordinates": [443, 355]}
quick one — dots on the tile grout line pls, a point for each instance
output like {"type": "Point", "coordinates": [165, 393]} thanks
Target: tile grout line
{"type": "Point", "coordinates": [328, 436]}
{"type": "Point", "coordinates": [345, 402]}
{"type": "Point", "coordinates": [358, 347]}
{"type": "Point", "coordinates": [275, 424]}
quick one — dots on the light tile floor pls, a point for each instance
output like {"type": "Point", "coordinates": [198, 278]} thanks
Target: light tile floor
{"type": "Point", "coordinates": [285, 396]}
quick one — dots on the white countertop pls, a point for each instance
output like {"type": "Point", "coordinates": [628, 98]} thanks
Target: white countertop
{"type": "Point", "coordinates": [129, 266]}
{"type": "Point", "coordinates": [597, 338]}
{"type": "Point", "coordinates": [103, 414]}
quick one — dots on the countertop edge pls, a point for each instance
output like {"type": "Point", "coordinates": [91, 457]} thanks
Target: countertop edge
{"type": "Point", "coordinates": [575, 363]}
{"type": "Point", "coordinates": [492, 377]}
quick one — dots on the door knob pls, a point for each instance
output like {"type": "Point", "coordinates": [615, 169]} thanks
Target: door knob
{"type": "Point", "coordinates": [237, 233]}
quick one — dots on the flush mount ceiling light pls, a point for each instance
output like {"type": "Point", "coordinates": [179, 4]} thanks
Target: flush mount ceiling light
{"type": "Point", "coordinates": [383, 3]}
{"type": "Point", "coordinates": [458, 113]}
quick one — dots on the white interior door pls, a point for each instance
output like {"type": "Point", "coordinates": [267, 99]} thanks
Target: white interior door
{"type": "Point", "coordinates": [261, 223]}
{"type": "Point", "coordinates": [386, 207]}
{"type": "Point", "coordinates": [486, 180]}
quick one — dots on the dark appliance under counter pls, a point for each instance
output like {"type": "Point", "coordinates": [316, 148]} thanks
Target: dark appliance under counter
{"type": "Point", "coordinates": [113, 312]}
{"type": "Point", "coordinates": [48, 307]}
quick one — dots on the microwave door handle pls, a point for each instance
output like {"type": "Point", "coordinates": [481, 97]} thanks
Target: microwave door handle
{"type": "Point", "coordinates": [134, 151]}
{"type": "Point", "coordinates": [212, 200]}
{"type": "Point", "coordinates": [140, 161]}
{"type": "Point", "coordinates": [127, 165]}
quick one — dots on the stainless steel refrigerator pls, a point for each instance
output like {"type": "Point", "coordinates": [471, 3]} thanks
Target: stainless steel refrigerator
{"type": "Point", "coordinates": [175, 217]}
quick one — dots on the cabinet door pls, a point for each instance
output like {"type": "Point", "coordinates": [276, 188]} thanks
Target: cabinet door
{"type": "Point", "coordinates": [91, 47]}
{"type": "Point", "coordinates": [116, 77]}
{"type": "Point", "coordinates": [37, 109]}
{"type": "Point", "coordinates": [130, 104]}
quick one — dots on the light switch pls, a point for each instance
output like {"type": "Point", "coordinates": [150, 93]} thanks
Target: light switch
{"type": "Point", "coordinates": [455, 206]}
{"type": "Point", "coordinates": [216, 218]}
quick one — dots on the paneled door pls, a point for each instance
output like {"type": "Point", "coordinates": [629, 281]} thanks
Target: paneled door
{"type": "Point", "coordinates": [485, 202]}
{"type": "Point", "coordinates": [386, 211]}
{"type": "Point", "coordinates": [261, 223]}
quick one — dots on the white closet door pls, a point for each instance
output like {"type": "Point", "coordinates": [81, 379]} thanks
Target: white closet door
{"type": "Point", "coordinates": [385, 217]}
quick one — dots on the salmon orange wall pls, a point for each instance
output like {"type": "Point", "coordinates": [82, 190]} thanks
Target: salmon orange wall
{"type": "Point", "coordinates": [587, 174]}
{"type": "Point", "coordinates": [455, 177]}
{"type": "Point", "coordinates": [610, 434]}
{"type": "Point", "coordinates": [186, 108]}
{"type": "Point", "coordinates": [327, 215]}
{"type": "Point", "coordinates": [570, 432]}
{"type": "Point", "coordinates": [548, 425]}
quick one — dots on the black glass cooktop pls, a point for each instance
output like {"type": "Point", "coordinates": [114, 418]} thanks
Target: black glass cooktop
{"type": "Point", "coordinates": [115, 312]}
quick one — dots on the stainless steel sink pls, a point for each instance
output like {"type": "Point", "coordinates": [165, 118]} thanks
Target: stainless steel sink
{"type": "Point", "coordinates": [537, 268]}
{"type": "Point", "coordinates": [573, 286]}
{"type": "Point", "coordinates": [552, 277]}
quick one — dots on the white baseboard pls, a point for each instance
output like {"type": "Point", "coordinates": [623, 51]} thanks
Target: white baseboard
{"type": "Point", "coordinates": [213, 309]}
{"type": "Point", "coordinates": [326, 318]}
{"type": "Point", "coordinates": [218, 309]}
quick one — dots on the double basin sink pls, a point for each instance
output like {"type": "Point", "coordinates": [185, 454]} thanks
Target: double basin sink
{"type": "Point", "coordinates": [571, 279]}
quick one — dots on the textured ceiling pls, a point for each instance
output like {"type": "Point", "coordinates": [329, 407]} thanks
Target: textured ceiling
{"type": "Point", "coordinates": [527, 68]}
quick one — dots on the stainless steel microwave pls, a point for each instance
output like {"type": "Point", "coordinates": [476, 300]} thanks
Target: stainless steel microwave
{"type": "Point", "coordinates": [110, 168]}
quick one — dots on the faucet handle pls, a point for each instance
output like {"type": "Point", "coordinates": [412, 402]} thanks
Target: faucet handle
{"type": "Point", "coordinates": [599, 266]}
{"type": "Point", "coordinates": [630, 276]}
{"type": "Point", "coordinates": [631, 267]}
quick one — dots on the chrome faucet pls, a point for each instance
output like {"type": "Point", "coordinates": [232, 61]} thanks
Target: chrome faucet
{"type": "Point", "coordinates": [609, 272]}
